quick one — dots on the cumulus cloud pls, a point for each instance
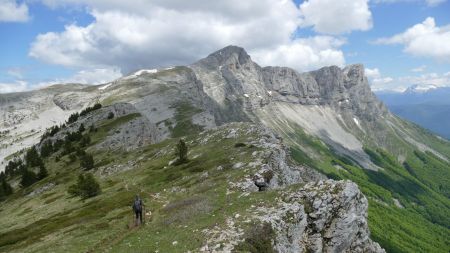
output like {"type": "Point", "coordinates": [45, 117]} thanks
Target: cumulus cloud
{"type": "Point", "coordinates": [372, 73]}
{"type": "Point", "coordinates": [421, 82]}
{"type": "Point", "coordinates": [336, 17]}
{"type": "Point", "coordinates": [304, 54]}
{"type": "Point", "coordinates": [16, 86]}
{"type": "Point", "coordinates": [11, 11]}
{"type": "Point", "coordinates": [160, 33]}
{"type": "Point", "coordinates": [424, 39]}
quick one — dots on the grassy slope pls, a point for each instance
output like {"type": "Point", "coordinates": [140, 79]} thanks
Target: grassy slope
{"type": "Point", "coordinates": [183, 200]}
{"type": "Point", "coordinates": [423, 224]}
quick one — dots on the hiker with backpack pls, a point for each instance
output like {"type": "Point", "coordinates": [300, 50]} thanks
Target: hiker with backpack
{"type": "Point", "coordinates": [138, 205]}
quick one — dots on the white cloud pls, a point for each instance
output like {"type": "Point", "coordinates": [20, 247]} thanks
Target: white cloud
{"type": "Point", "coordinates": [10, 11]}
{"type": "Point", "coordinates": [336, 17]}
{"type": "Point", "coordinates": [424, 39]}
{"type": "Point", "coordinates": [372, 73]}
{"type": "Point", "coordinates": [421, 82]}
{"type": "Point", "coordinates": [304, 54]}
{"type": "Point", "coordinates": [16, 86]}
{"type": "Point", "coordinates": [95, 76]}
{"type": "Point", "coordinates": [160, 33]}
{"type": "Point", "coordinates": [419, 69]}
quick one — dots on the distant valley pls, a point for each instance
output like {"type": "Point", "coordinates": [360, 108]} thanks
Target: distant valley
{"type": "Point", "coordinates": [429, 109]}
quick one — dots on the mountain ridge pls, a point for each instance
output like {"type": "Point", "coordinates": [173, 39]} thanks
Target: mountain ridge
{"type": "Point", "coordinates": [328, 119]}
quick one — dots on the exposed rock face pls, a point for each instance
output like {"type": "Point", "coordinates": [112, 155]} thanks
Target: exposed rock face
{"type": "Point", "coordinates": [135, 132]}
{"type": "Point", "coordinates": [324, 216]}
{"type": "Point", "coordinates": [25, 116]}
{"type": "Point", "coordinates": [309, 212]}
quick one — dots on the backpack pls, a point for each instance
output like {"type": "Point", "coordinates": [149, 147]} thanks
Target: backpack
{"type": "Point", "coordinates": [137, 206]}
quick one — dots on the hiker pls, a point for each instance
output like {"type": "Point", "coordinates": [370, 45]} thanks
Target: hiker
{"type": "Point", "coordinates": [137, 208]}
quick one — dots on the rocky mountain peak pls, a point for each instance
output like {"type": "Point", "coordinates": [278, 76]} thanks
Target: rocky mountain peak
{"type": "Point", "coordinates": [229, 55]}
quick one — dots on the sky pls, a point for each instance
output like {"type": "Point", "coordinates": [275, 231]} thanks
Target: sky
{"type": "Point", "coordinates": [400, 42]}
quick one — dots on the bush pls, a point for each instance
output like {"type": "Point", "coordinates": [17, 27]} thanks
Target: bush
{"type": "Point", "coordinates": [239, 144]}
{"type": "Point", "coordinates": [87, 161]}
{"type": "Point", "coordinates": [110, 115]}
{"type": "Point", "coordinates": [258, 239]}
{"type": "Point", "coordinates": [86, 187]}
{"type": "Point", "coordinates": [81, 128]}
{"type": "Point", "coordinates": [181, 152]}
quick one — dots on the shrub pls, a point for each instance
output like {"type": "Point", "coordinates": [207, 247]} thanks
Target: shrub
{"type": "Point", "coordinates": [239, 144]}
{"type": "Point", "coordinates": [87, 161]}
{"type": "Point", "coordinates": [258, 239]}
{"type": "Point", "coordinates": [81, 128]}
{"type": "Point", "coordinates": [110, 115]}
{"type": "Point", "coordinates": [86, 187]}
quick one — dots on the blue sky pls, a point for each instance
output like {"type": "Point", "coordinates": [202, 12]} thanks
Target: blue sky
{"type": "Point", "coordinates": [46, 42]}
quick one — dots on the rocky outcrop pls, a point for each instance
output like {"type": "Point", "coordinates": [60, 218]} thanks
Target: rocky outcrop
{"type": "Point", "coordinates": [309, 213]}
{"type": "Point", "coordinates": [323, 216]}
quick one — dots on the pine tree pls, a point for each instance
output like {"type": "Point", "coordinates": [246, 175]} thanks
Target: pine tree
{"type": "Point", "coordinates": [181, 151]}
{"type": "Point", "coordinates": [32, 158]}
{"type": "Point", "coordinates": [43, 173]}
{"type": "Point", "coordinates": [81, 128]}
{"type": "Point", "coordinates": [86, 187]}
{"type": "Point", "coordinates": [5, 188]}
{"type": "Point", "coordinates": [46, 148]}
{"type": "Point", "coordinates": [87, 161]}
{"type": "Point", "coordinates": [28, 178]}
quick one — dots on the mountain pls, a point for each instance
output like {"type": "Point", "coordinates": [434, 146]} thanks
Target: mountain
{"type": "Point", "coordinates": [429, 108]}
{"type": "Point", "coordinates": [245, 125]}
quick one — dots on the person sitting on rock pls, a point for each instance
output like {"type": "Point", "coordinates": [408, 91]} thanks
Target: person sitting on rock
{"type": "Point", "coordinates": [137, 208]}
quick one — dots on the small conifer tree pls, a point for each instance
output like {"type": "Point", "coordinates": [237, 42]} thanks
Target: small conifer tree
{"type": "Point", "coordinates": [181, 151]}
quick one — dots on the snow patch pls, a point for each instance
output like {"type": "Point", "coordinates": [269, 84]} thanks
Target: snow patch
{"type": "Point", "coordinates": [246, 95]}
{"type": "Point", "coordinates": [105, 86]}
{"type": "Point", "coordinates": [356, 121]}
{"type": "Point", "coordinates": [140, 72]}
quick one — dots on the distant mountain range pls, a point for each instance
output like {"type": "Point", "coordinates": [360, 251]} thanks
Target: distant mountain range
{"type": "Point", "coordinates": [429, 108]}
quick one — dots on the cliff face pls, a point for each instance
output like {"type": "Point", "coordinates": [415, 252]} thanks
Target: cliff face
{"type": "Point", "coordinates": [227, 86]}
